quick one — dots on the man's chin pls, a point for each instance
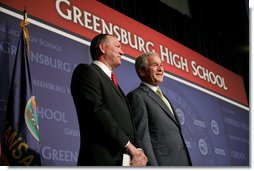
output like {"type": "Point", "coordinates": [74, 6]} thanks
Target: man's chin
{"type": "Point", "coordinates": [160, 80]}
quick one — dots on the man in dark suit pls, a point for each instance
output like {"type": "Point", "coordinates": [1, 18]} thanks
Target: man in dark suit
{"type": "Point", "coordinates": [155, 119]}
{"type": "Point", "coordinates": [106, 125]}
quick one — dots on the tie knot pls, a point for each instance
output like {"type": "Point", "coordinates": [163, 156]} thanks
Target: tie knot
{"type": "Point", "coordinates": [158, 91]}
{"type": "Point", "coordinates": [113, 77]}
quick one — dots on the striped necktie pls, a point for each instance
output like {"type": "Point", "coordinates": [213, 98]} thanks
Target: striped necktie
{"type": "Point", "coordinates": [159, 92]}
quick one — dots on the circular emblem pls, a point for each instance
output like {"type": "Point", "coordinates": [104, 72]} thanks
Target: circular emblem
{"type": "Point", "coordinates": [31, 117]}
{"type": "Point", "coordinates": [180, 115]}
{"type": "Point", "coordinates": [203, 146]}
{"type": "Point", "coordinates": [215, 127]}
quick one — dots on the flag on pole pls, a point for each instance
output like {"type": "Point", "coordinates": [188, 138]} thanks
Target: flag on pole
{"type": "Point", "coordinates": [20, 142]}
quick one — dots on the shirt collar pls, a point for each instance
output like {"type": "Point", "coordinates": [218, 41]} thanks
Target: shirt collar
{"type": "Point", "coordinates": [154, 88]}
{"type": "Point", "coordinates": [104, 67]}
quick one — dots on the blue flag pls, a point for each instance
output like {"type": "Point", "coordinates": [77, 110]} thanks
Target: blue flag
{"type": "Point", "coordinates": [21, 143]}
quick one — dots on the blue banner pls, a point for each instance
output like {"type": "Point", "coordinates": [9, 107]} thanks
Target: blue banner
{"type": "Point", "coordinates": [216, 131]}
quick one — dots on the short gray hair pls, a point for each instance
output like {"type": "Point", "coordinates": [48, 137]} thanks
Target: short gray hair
{"type": "Point", "coordinates": [141, 60]}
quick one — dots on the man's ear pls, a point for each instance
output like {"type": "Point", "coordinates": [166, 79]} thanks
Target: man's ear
{"type": "Point", "coordinates": [102, 48]}
{"type": "Point", "coordinates": [141, 72]}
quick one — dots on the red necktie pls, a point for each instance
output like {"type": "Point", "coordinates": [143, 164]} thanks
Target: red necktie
{"type": "Point", "coordinates": [113, 77]}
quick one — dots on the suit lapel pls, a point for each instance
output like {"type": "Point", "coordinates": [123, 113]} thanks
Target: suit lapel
{"type": "Point", "coordinates": [118, 90]}
{"type": "Point", "coordinates": [176, 119]}
{"type": "Point", "coordinates": [160, 102]}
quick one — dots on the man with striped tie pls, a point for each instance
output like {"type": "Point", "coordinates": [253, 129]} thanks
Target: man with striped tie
{"type": "Point", "coordinates": [155, 119]}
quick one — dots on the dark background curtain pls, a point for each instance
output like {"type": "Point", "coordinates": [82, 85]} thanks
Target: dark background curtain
{"type": "Point", "coordinates": [217, 29]}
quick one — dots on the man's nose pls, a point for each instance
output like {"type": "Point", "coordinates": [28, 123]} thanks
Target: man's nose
{"type": "Point", "coordinates": [121, 52]}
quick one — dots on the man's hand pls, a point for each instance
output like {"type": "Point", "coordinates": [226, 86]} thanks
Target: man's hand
{"type": "Point", "coordinates": [138, 158]}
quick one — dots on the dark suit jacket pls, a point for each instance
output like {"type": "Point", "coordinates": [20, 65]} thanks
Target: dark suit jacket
{"type": "Point", "coordinates": [158, 129]}
{"type": "Point", "coordinates": [104, 116]}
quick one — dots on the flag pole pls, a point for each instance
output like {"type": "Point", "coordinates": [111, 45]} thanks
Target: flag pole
{"type": "Point", "coordinates": [25, 15]}
{"type": "Point", "coordinates": [23, 24]}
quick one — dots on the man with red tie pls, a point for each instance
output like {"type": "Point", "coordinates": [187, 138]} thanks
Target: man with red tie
{"type": "Point", "coordinates": [106, 127]}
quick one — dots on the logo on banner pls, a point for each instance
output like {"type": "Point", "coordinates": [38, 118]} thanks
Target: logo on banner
{"type": "Point", "coordinates": [31, 118]}
{"type": "Point", "coordinates": [215, 127]}
{"type": "Point", "coordinates": [180, 116]}
{"type": "Point", "coordinates": [203, 147]}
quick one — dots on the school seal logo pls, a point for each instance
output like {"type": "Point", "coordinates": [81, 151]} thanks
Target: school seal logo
{"type": "Point", "coordinates": [31, 118]}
